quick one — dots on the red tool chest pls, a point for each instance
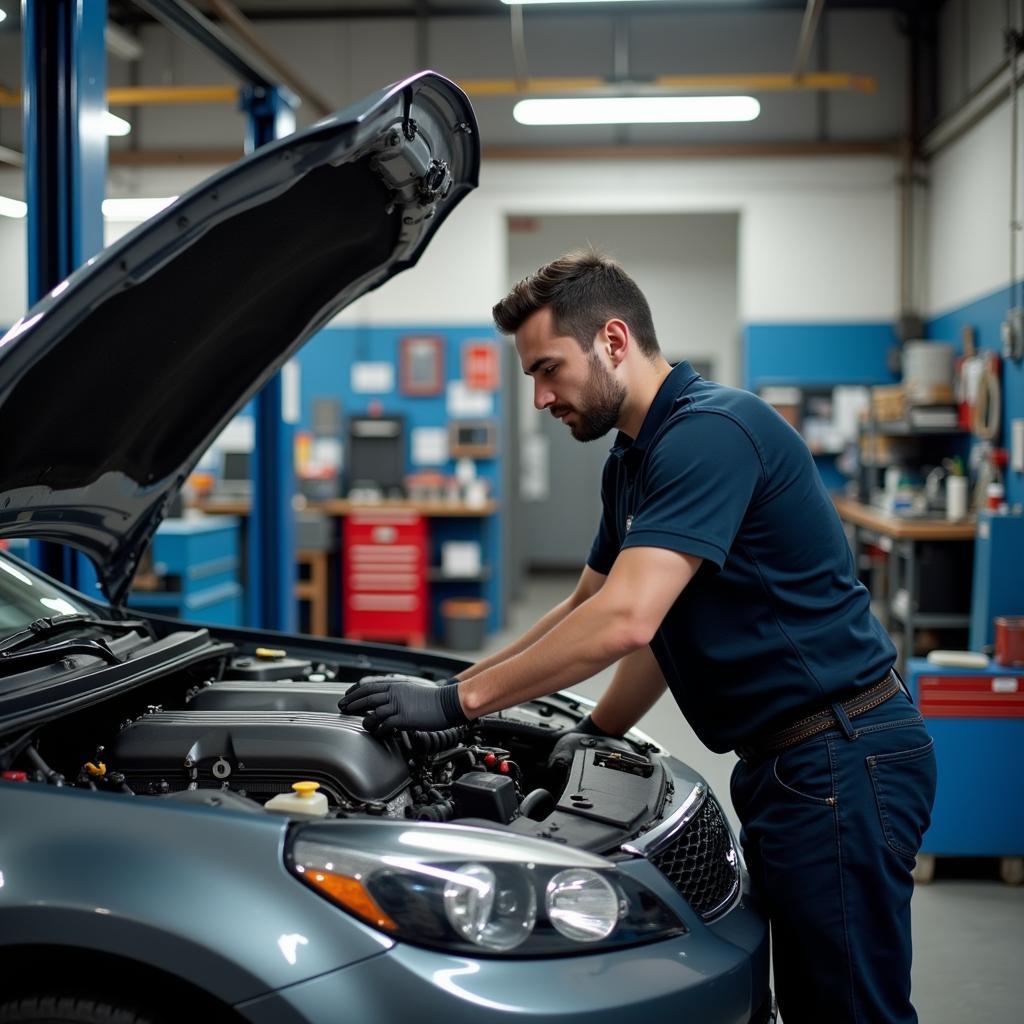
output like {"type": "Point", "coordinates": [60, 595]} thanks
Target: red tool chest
{"type": "Point", "coordinates": [384, 577]}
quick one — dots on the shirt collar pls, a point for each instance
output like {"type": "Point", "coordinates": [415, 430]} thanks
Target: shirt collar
{"type": "Point", "coordinates": [674, 385]}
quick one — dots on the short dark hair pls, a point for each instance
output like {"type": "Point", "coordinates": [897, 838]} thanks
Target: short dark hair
{"type": "Point", "coordinates": [584, 289]}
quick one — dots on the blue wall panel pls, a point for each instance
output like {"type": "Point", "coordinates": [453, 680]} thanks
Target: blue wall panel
{"type": "Point", "coordinates": [326, 372]}
{"type": "Point", "coordinates": [817, 354]}
{"type": "Point", "coordinates": [986, 315]}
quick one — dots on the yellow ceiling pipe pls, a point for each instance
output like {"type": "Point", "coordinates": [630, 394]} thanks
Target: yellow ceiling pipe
{"type": "Point", "coordinates": [150, 95]}
{"type": "Point", "coordinates": [156, 95]}
{"type": "Point", "coordinates": [768, 82]}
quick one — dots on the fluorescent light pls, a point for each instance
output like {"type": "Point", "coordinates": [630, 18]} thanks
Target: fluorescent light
{"type": "Point", "coordinates": [636, 109]}
{"type": "Point", "coordinates": [120, 43]}
{"type": "Point", "coordinates": [12, 207]}
{"type": "Point", "coordinates": [135, 207]}
{"type": "Point", "coordinates": [519, 3]}
{"type": "Point", "coordinates": [114, 125]}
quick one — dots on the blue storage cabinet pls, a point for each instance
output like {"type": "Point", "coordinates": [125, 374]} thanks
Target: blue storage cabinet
{"type": "Point", "coordinates": [998, 586]}
{"type": "Point", "coordinates": [976, 717]}
{"type": "Point", "coordinates": [198, 561]}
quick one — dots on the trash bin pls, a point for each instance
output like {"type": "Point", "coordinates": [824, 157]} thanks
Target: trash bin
{"type": "Point", "coordinates": [465, 619]}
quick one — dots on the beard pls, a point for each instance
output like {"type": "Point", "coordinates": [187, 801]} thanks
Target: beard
{"type": "Point", "coordinates": [599, 405]}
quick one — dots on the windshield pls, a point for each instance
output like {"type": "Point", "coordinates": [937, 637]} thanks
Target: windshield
{"type": "Point", "coordinates": [25, 597]}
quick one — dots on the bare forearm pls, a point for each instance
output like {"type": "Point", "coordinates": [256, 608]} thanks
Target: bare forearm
{"type": "Point", "coordinates": [589, 639]}
{"type": "Point", "coordinates": [530, 637]}
{"type": "Point", "coordinates": [635, 687]}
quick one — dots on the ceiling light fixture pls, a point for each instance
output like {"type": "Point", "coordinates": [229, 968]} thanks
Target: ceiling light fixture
{"type": "Point", "coordinates": [520, 3]}
{"type": "Point", "coordinates": [114, 125]}
{"type": "Point", "coordinates": [3, 14]}
{"type": "Point", "coordinates": [120, 43]}
{"type": "Point", "coordinates": [135, 207]}
{"type": "Point", "coordinates": [12, 208]}
{"type": "Point", "coordinates": [636, 110]}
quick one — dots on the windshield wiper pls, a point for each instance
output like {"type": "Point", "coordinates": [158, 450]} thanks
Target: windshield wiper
{"type": "Point", "coordinates": [11, 662]}
{"type": "Point", "coordinates": [41, 628]}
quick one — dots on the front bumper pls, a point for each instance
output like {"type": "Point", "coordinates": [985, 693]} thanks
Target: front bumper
{"type": "Point", "coordinates": [715, 975]}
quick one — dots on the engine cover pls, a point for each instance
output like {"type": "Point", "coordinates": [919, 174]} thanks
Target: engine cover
{"type": "Point", "coordinates": [260, 752]}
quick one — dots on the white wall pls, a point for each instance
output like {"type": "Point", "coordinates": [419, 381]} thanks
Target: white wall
{"type": "Point", "coordinates": [818, 237]}
{"type": "Point", "coordinates": [969, 216]}
{"type": "Point", "coordinates": [968, 199]}
{"type": "Point", "coordinates": [685, 264]}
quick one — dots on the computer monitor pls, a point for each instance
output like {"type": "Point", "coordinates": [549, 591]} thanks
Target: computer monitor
{"type": "Point", "coordinates": [375, 455]}
{"type": "Point", "coordinates": [235, 473]}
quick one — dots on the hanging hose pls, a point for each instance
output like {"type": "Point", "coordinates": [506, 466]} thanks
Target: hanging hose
{"type": "Point", "coordinates": [534, 799]}
{"type": "Point", "coordinates": [988, 402]}
{"type": "Point", "coordinates": [52, 777]}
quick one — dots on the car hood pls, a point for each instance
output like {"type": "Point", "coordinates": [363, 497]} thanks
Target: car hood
{"type": "Point", "coordinates": [113, 386]}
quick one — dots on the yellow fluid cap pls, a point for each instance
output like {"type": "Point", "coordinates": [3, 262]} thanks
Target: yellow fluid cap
{"type": "Point", "coordinates": [99, 770]}
{"type": "Point", "coordinates": [269, 652]}
{"type": "Point", "coordinates": [305, 789]}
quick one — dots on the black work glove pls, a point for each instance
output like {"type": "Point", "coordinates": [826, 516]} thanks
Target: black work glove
{"type": "Point", "coordinates": [583, 734]}
{"type": "Point", "coordinates": [403, 702]}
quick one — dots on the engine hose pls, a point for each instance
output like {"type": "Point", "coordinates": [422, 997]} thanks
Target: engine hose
{"type": "Point", "coordinates": [534, 799]}
{"type": "Point", "coordinates": [434, 742]}
{"type": "Point", "coordinates": [52, 777]}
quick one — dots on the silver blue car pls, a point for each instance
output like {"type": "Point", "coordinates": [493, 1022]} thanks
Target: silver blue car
{"type": "Point", "coordinates": [187, 823]}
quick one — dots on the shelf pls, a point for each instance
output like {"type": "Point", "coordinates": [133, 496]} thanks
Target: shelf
{"type": "Point", "coordinates": [903, 429]}
{"type": "Point", "coordinates": [949, 620]}
{"type": "Point", "coordinates": [437, 575]}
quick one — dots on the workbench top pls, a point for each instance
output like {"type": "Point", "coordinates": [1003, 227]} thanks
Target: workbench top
{"type": "Point", "coordinates": [900, 527]}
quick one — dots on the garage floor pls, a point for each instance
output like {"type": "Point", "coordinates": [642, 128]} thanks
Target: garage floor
{"type": "Point", "coordinates": [968, 930]}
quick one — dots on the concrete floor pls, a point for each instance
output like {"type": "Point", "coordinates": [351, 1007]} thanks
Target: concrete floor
{"type": "Point", "coordinates": [968, 931]}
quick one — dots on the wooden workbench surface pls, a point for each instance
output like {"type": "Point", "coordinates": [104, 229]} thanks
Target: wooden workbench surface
{"type": "Point", "coordinates": [899, 527]}
{"type": "Point", "coordinates": [344, 507]}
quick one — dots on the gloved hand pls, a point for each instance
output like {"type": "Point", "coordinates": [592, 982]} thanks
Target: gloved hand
{"type": "Point", "coordinates": [403, 702]}
{"type": "Point", "coordinates": [583, 734]}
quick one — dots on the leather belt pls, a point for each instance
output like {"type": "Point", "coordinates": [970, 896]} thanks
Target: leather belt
{"type": "Point", "coordinates": [821, 721]}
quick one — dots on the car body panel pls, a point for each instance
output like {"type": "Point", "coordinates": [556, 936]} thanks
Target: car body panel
{"type": "Point", "coordinates": [113, 386]}
{"type": "Point", "coordinates": [202, 889]}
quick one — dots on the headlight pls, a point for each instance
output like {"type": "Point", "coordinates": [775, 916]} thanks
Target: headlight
{"type": "Point", "coordinates": [463, 890]}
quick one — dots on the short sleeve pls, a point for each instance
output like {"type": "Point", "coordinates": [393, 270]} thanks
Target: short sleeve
{"type": "Point", "coordinates": [606, 544]}
{"type": "Point", "coordinates": [698, 482]}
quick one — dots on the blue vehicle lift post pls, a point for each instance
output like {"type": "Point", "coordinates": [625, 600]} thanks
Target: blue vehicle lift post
{"type": "Point", "coordinates": [64, 89]}
{"type": "Point", "coordinates": [270, 570]}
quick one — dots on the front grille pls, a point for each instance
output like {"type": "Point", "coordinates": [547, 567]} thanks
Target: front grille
{"type": "Point", "coordinates": [701, 862]}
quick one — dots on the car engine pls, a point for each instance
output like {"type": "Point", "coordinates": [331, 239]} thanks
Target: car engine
{"type": "Point", "coordinates": [240, 730]}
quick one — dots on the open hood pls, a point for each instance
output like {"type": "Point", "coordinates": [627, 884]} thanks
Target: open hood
{"type": "Point", "coordinates": [113, 386]}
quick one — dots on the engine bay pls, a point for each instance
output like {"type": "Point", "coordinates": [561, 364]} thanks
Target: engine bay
{"type": "Point", "coordinates": [243, 727]}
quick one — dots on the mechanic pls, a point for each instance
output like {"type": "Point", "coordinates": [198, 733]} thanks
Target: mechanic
{"type": "Point", "coordinates": [720, 569]}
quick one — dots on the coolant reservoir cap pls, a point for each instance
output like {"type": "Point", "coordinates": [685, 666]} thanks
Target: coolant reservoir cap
{"type": "Point", "coordinates": [270, 652]}
{"type": "Point", "coordinates": [305, 789]}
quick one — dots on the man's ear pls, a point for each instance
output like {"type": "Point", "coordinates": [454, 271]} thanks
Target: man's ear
{"type": "Point", "coordinates": [615, 340]}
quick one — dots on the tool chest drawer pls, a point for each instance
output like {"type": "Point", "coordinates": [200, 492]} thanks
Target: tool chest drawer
{"type": "Point", "coordinates": [971, 696]}
{"type": "Point", "coordinates": [976, 717]}
{"type": "Point", "coordinates": [384, 576]}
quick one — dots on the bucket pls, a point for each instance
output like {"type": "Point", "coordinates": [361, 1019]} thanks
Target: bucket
{"type": "Point", "coordinates": [1010, 640]}
{"type": "Point", "coordinates": [465, 619]}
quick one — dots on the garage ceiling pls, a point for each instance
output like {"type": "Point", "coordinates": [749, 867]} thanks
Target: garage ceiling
{"type": "Point", "coordinates": [870, 51]}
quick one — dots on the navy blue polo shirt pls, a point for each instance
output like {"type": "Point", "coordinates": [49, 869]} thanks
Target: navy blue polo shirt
{"type": "Point", "coordinates": [775, 621]}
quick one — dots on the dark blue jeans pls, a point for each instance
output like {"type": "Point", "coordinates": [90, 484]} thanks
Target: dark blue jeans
{"type": "Point", "coordinates": [830, 831]}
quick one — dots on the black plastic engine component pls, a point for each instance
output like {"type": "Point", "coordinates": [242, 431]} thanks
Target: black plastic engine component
{"type": "Point", "coordinates": [599, 788]}
{"type": "Point", "coordinates": [483, 795]}
{"type": "Point", "coordinates": [262, 753]}
{"type": "Point", "coordinates": [269, 695]}
{"type": "Point", "coordinates": [256, 667]}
